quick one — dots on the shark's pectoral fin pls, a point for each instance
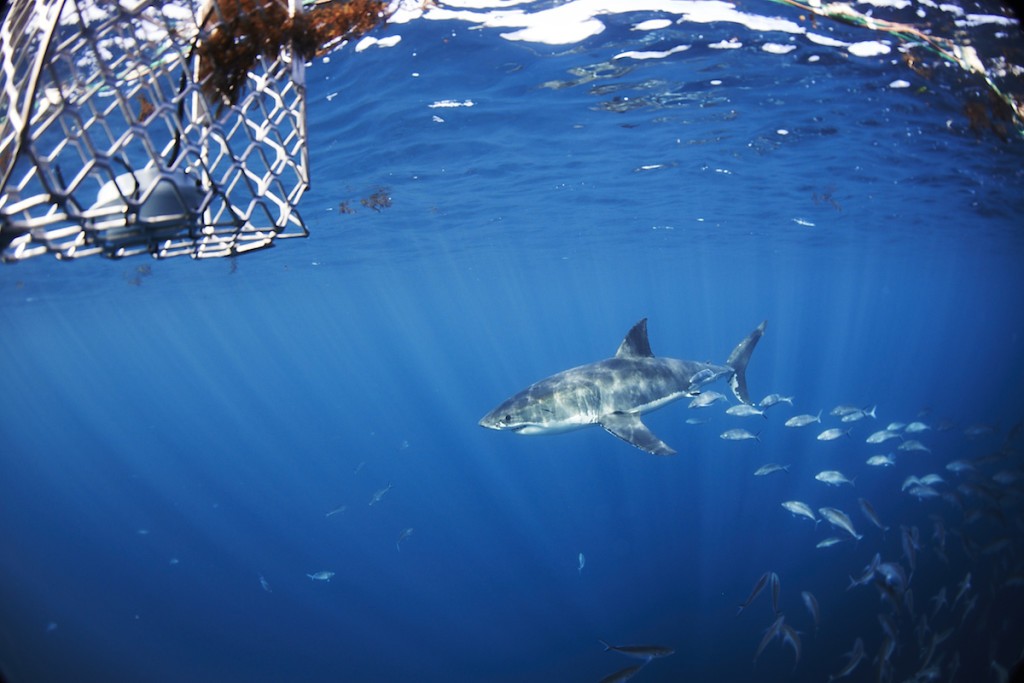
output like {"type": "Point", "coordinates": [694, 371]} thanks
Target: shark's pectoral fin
{"type": "Point", "coordinates": [629, 428]}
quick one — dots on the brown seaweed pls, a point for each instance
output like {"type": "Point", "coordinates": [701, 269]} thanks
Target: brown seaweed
{"type": "Point", "coordinates": [236, 33]}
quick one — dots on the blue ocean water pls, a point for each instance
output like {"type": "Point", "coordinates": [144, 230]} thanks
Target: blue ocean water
{"type": "Point", "coordinates": [186, 442]}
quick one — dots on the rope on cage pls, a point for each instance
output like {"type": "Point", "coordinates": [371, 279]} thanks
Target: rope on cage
{"type": "Point", "coordinates": [966, 57]}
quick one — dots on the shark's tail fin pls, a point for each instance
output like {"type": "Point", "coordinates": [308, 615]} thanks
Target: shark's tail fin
{"type": "Point", "coordinates": [738, 360]}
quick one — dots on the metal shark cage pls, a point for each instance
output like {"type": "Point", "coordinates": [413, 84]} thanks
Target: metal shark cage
{"type": "Point", "coordinates": [115, 140]}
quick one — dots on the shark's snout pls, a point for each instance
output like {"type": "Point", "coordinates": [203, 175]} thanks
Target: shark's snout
{"type": "Point", "coordinates": [490, 421]}
{"type": "Point", "coordinates": [500, 419]}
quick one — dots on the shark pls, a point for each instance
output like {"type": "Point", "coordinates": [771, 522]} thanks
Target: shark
{"type": "Point", "coordinates": [615, 392]}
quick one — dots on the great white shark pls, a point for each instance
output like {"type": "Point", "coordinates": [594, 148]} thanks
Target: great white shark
{"type": "Point", "coordinates": [615, 392]}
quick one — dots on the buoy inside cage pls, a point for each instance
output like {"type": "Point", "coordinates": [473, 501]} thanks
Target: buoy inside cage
{"type": "Point", "coordinates": [152, 196]}
{"type": "Point", "coordinates": [148, 202]}
{"type": "Point", "coordinates": [158, 127]}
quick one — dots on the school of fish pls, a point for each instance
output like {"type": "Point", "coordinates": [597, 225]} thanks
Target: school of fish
{"type": "Point", "coordinates": [969, 503]}
{"type": "Point", "coordinates": [928, 610]}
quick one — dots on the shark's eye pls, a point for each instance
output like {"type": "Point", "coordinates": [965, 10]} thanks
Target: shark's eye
{"type": "Point", "coordinates": [507, 419]}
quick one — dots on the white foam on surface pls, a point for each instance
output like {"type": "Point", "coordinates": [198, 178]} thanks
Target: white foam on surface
{"type": "Point", "coordinates": [890, 4]}
{"type": "Point", "coordinates": [979, 19]}
{"type": "Point", "coordinates": [778, 48]}
{"type": "Point", "coordinates": [634, 54]}
{"type": "Point", "coordinates": [370, 41]}
{"type": "Point", "coordinates": [577, 20]}
{"type": "Point", "coordinates": [825, 41]}
{"type": "Point", "coordinates": [451, 104]}
{"type": "Point", "coordinates": [869, 48]}
{"type": "Point", "coordinates": [731, 44]}
{"type": "Point", "coordinates": [652, 25]}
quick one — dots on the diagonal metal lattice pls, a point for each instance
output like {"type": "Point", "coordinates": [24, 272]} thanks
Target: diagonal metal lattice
{"type": "Point", "coordinates": [111, 143]}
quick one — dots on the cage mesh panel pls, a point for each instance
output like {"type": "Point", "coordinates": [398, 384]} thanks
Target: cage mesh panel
{"type": "Point", "coordinates": [115, 94]}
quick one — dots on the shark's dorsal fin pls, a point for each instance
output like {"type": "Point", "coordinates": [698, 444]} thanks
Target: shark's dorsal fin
{"type": "Point", "coordinates": [635, 345]}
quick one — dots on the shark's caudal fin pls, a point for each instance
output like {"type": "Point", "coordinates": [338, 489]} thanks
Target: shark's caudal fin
{"type": "Point", "coordinates": [738, 360]}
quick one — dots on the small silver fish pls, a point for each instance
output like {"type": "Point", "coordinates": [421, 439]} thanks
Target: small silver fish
{"type": "Point", "coordinates": [841, 410]}
{"type": "Point", "coordinates": [960, 466]}
{"type": "Point", "coordinates": [869, 511]}
{"type": "Point", "coordinates": [910, 542]}
{"type": "Point", "coordinates": [791, 636]}
{"type": "Point", "coordinates": [776, 589]}
{"type": "Point", "coordinates": [832, 434]}
{"type": "Point", "coordinates": [939, 600]}
{"type": "Point", "coordinates": [406, 533]}
{"type": "Point", "coordinates": [965, 586]}
{"type": "Point", "coordinates": [700, 378]}
{"type": "Point", "coordinates": [647, 652]}
{"type": "Point", "coordinates": [739, 435]}
{"type": "Point", "coordinates": [858, 415]}
{"type": "Point", "coordinates": [840, 520]}
{"type": "Point", "coordinates": [623, 675]}
{"type": "Point", "coordinates": [853, 658]}
{"type": "Point", "coordinates": [997, 546]}
{"type": "Point", "coordinates": [803, 420]}
{"type": "Point", "coordinates": [743, 410]}
{"type": "Point", "coordinates": [582, 561]}
{"type": "Point", "coordinates": [976, 430]}
{"type": "Point", "coordinates": [868, 574]}
{"type": "Point", "coordinates": [882, 435]}
{"type": "Point", "coordinates": [774, 399]}
{"type": "Point", "coordinates": [829, 542]}
{"type": "Point", "coordinates": [1007, 477]}
{"type": "Point", "coordinates": [770, 468]}
{"type": "Point", "coordinates": [916, 428]}
{"type": "Point", "coordinates": [704, 399]}
{"type": "Point", "coordinates": [920, 491]}
{"type": "Point", "coordinates": [799, 508]}
{"type": "Point", "coordinates": [320, 576]}
{"type": "Point", "coordinates": [769, 635]}
{"type": "Point", "coordinates": [264, 584]}
{"type": "Point", "coordinates": [812, 606]}
{"type": "Point", "coordinates": [832, 478]}
{"type": "Point", "coordinates": [913, 445]}
{"type": "Point", "coordinates": [755, 591]}
{"type": "Point", "coordinates": [881, 461]}
{"type": "Point", "coordinates": [380, 494]}
{"type": "Point", "coordinates": [888, 626]}
{"type": "Point", "coordinates": [337, 511]}
{"type": "Point", "coordinates": [910, 481]}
